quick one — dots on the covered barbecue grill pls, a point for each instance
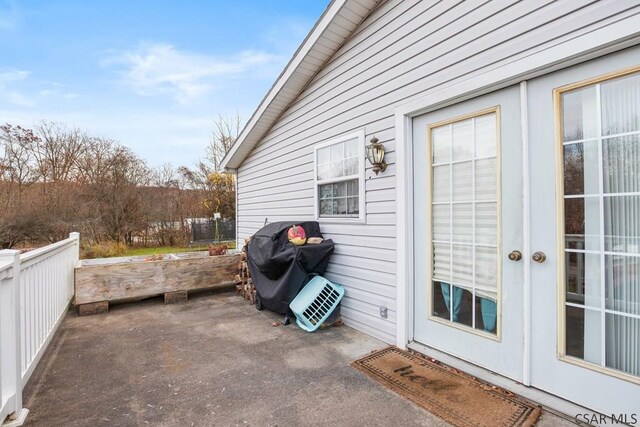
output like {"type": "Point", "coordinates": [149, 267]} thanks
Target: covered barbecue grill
{"type": "Point", "coordinates": [280, 269]}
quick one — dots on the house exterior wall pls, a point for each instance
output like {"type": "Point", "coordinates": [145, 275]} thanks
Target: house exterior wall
{"type": "Point", "coordinates": [402, 51]}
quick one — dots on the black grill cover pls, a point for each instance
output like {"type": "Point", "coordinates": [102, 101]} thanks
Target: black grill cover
{"type": "Point", "coordinates": [279, 269]}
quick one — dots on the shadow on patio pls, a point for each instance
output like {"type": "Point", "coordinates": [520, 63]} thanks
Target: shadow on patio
{"type": "Point", "coordinates": [212, 361]}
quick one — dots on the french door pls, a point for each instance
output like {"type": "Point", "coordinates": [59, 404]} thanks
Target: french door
{"type": "Point", "coordinates": [584, 126]}
{"type": "Point", "coordinates": [468, 218]}
{"type": "Point", "coordinates": [584, 230]}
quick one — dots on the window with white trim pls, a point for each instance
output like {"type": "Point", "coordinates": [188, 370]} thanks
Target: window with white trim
{"type": "Point", "coordinates": [339, 178]}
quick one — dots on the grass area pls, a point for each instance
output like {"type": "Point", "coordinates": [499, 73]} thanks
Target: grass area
{"type": "Point", "coordinates": [168, 250]}
{"type": "Point", "coordinates": [113, 249]}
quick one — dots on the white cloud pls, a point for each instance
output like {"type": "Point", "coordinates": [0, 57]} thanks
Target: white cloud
{"type": "Point", "coordinates": [56, 90]}
{"type": "Point", "coordinates": [8, 80]}
{"type": "Point", "coordinates": [13, 75]}
{"type": "Point", "coordinates": [18, 98]}
{"type": "Point", "coordinates": [17, 87]}
{"type": "Point", "coordinates": [161, 69]}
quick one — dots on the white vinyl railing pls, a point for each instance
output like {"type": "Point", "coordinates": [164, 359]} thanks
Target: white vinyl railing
{"type": "Point", "coordinates": [35, 291]}
{"type": "Point", "coordinates": [10, 372]}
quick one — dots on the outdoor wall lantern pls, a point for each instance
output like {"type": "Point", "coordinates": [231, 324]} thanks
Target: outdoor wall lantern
{"type": "Point", "coordinates": [375, 155]}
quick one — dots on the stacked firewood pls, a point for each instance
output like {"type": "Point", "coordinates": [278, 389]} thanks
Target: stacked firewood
{"type": "Point", "coordinates": [244, 284]}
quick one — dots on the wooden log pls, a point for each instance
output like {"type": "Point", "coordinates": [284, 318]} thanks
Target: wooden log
{"type": "Point", "coordinates": [214, 272]}
{"type": "Point", "coordinates": [174, 297]}
{"type": "Point", "coordinates": [118, 281]}
{"type": "Point", "coordinates": [245, 286]}
{"type": "Point", "coordinates": [93, 308]}
{"type": "Point", "coordinates": [95, 283]}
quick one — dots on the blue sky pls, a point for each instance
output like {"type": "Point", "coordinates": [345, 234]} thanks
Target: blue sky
{"type": "Point", "coordinates": [151, 74]}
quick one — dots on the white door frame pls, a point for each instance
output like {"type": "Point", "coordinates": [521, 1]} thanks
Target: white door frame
{"type": "Point", "coordinates": [605, 40]}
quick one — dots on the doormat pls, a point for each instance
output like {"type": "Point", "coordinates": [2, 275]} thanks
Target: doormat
{"type": "Point", "coordinates": [457, 398]}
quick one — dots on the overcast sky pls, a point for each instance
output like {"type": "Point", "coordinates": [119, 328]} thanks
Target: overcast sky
{"type": "Point", "coordinates": [151, 74]}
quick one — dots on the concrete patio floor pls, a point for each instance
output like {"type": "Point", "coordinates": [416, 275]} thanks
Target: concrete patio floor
{"type": "Point", "coordinates": [212, 361]}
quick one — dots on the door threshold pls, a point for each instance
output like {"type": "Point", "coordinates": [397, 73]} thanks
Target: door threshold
{"type": "Point", "coordinates": [549, 402]}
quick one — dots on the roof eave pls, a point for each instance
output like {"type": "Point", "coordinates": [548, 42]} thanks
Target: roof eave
{"type": "Point", "coordinates": [249, 135]}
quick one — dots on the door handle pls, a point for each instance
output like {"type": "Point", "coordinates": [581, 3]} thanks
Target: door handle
{"type": "Point", "coordinates": [515, 255]}
{"type": "Point", "coordinates": [539, 257]}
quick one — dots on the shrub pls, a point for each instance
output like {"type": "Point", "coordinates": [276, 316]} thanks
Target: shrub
{"type": "Point", "coordinates": [104, 250]}
{"type": "Point", "coordinates": [218, 249]}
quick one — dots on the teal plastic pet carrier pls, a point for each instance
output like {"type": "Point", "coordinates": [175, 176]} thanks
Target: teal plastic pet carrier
{"type": "Point", "coordinates": [315, 303]}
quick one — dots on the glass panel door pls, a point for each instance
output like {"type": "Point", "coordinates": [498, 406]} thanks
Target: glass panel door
{"type": "Point", "coordinates": [467, 171]}
{"type": "Point", "coordinates": [584, 133]}
{"type": "Point", "coordinates": [601, 167]}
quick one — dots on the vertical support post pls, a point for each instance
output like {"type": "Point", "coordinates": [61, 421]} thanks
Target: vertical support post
{"type": "Point", "coordinates": [76, 261]}
{"type": "Point", "coordinates": [404, 229]}
{"type": "Point", "coordinates": [76, 236]}
{"type": "Point", "coordinates": [239, 244]}
{"type": "Point", "coordinates": [526, 236]}
{"type": "Point", "coordinates": [10, 334]}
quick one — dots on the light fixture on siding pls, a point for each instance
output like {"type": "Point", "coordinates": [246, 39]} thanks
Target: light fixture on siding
{"type": "Point", "coordinates": [375, 155]}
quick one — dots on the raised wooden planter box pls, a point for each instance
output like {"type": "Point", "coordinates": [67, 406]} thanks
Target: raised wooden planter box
{"type": "Point", "coordinates": [98, 282]}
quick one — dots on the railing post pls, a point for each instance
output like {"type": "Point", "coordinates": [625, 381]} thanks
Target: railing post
{"type": "Point", "coordinates": [76, 261]}
{"type": "Point", "coordinates": [11, 336]}
{"type": "Point", "coordinates": [76, 236]}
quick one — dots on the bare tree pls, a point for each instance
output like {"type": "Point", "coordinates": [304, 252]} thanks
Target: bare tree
{"type": "Point", "coordinates": [218, 190]}
{"type": "Point", "coordinates": [226, 130]}
{"type": "Point", "coordinates": [166, 214]}
{"type": "Point", "coordinates": [57, 149]}
{"type": "Point", "coordinates": [56, 153]}
{"type": "Point", "coordinates": [93, 168]}
{"type": "Point", "coordinates": [120, 195]}
{"type": "Point", "coordinates": [95, 161]}
{"type": "Point", "coordinates": [16, 163]}
{"type": "Point", "coordinates": [196, 178]}
{"type": "Point", "coordinates": [56, 179]}
{"type": "Point", "coordinates": [113, 179]}
{"type": "Point", "coordinates": [17, 173]}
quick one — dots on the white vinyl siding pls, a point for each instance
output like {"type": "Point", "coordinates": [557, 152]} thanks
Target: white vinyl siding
{"type": "Point", "coordinates": [402, 50]}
